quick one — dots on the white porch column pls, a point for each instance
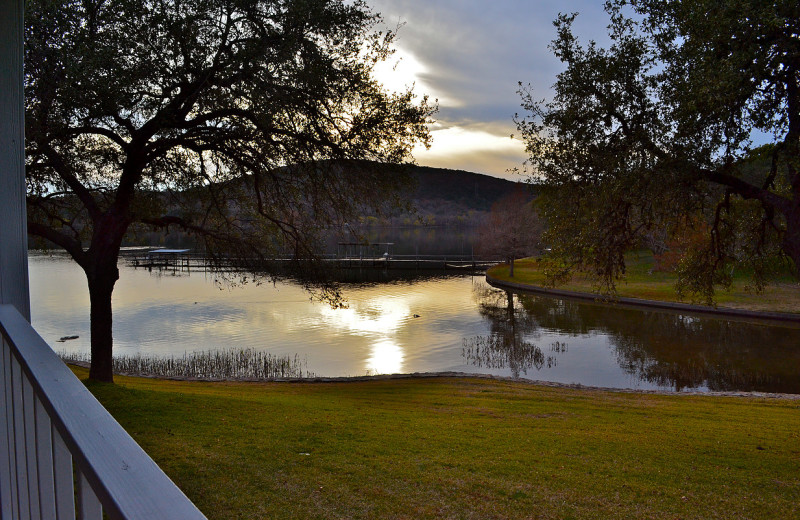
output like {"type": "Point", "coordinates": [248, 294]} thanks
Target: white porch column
{"type": "Point", "coordinates": [13, 220]}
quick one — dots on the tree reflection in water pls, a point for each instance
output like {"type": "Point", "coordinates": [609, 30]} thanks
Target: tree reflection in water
{"type": "Point", "coordinates": [506, 347]}
{"type": "Point", "coordinates": [667, 349]}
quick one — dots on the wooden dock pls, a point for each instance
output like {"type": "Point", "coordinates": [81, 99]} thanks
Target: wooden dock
{"type": "Point", "coordinates": [184, 260]}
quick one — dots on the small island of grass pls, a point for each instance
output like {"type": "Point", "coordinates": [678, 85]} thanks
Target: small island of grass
{"type": "Point", "coordinates": [643, 281]}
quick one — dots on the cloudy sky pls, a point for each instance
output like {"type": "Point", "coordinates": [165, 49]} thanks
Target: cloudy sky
{"type": "Point", "coordinates": [470, 55]}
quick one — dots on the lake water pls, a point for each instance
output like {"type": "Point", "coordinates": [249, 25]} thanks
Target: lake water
{"type": "Point", "coordinates": [427, 324]}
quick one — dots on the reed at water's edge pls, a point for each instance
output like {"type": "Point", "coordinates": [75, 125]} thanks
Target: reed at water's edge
{"type": "Point", "coordinates": [231, 364]}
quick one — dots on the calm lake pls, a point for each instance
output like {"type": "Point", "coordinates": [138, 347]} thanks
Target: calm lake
{"type": "Point", "coordinates": [428, 324]}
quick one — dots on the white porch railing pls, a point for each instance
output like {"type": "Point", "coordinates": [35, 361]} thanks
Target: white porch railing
{"type": "Point", "coordinates": [59, 448]}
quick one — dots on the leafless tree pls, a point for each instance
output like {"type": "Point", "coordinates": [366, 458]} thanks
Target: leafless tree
{"type": "Point", "coordinates": [513, 229]}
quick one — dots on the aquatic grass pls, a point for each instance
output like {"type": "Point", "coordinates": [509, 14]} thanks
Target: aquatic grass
{"type": "Point", "coordinates": [462, 448]}
{"type": "Point", "coordinates": [211, 365]}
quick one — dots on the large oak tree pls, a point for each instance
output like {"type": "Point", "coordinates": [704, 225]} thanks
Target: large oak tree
{"type": "Point", "coordinates": [231, 120]}
{"type": "Point", "coordinates": [657, 132]}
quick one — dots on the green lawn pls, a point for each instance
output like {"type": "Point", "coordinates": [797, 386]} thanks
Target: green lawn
{"type": "Point", "coordinates": [462, 448]}
{"type": "Point", "coordinates": [641, 281]}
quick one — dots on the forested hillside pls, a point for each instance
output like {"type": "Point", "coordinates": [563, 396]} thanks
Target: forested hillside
{"type": "Point", "coordinates": [450, 197]}
{"type": "Point", "coordinates": [439, 196]}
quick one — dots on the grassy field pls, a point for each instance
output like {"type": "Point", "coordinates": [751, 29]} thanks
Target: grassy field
{"type": "Point", "coordinates": [641, 281]}
{"type": "Point", "coordinates": [462, 448]}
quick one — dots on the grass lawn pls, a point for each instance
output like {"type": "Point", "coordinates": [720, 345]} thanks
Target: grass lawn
{"type": "Point", "coordinates": [462, 448]}
{"type": "Point", "coordinates": [641, 281]}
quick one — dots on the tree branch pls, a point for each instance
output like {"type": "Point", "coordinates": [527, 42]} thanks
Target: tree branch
{"type": "Point", "coordinates": [97, 130]}
{"type": "Point", "coordinates": [65, 172]}
{"type": "Point", "coordinates": [71, 245]}
{"type": "Point", "coordinates": [747, 190]}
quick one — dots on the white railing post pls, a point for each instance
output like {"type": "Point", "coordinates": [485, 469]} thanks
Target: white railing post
{"type": "Point", "coordinates": [89, 507]}
{"type": "Point", "coordinates": [29, 427]}
{"type": "Point", "coordinates": [13, 230]}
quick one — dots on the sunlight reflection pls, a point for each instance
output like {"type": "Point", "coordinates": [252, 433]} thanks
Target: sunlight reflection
{"type": "Point", "coordinates": [386, 358]}
{"type": "Point", "coordinates": [372, 317]}
{"type": "Point", "coordinates": [381, 321]}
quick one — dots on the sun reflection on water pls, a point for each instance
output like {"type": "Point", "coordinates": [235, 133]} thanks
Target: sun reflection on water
{"type": "Point", "coordinates": [379, 320]}
{"type": "Point", "coordinates": [386, 358]}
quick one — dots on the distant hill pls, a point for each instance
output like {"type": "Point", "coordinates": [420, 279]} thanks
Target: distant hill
{"type": "Point", "coordinates": [452, 197]}
{"type": "Point", "coordinates": [440, 196]}
{"type": "Point", "coordinates": [472, 191]}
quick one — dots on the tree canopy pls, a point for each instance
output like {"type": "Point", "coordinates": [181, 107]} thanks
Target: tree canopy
{"type": "Point", "coordinates": [659, 133]}
{"type": "Point", "coordinates": [230, 120]}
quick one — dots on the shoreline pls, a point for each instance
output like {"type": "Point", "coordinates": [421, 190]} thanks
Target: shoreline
{"type": "Point", "coordinates": [466, 375]}
{"type": "Point", "coordinates": [727, 312]}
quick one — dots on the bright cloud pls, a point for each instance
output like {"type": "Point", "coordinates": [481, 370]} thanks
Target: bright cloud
{"type": "Point", "coordinates": [403, 71]}
{"type": "Point", "coordinates": [400, 71]}
{"type": "Point", "coordinates": [474, 150]}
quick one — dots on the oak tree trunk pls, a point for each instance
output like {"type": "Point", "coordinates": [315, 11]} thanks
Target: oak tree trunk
{"type": "Point", "coordinates": [101, 286]}
{"type": "Point", "coordinates": [102, 273]}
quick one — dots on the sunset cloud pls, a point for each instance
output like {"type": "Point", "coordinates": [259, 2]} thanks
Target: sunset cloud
{"type": "Point", "coordinates": [473, 149]}
{"type": "Point", "coordinates": [470, 55]}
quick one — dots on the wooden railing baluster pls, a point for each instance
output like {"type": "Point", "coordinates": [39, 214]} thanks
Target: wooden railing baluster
{"type": "Point", "coordinates": [29, 416]}
{"type": "Point", "coordinates": [8, 486]}
{"type": "Point", "coordinates": [44, 462]}
{"type": "Point", "coordinates": [20, 460]}
{"type": "Point", "coordinates": [89, 507]}
{"type": "Point", "coordinates": [62, 473]}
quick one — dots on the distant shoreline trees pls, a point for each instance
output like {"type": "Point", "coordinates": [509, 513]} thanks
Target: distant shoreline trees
{"type": "Point", "coordinates": [512, 229]}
